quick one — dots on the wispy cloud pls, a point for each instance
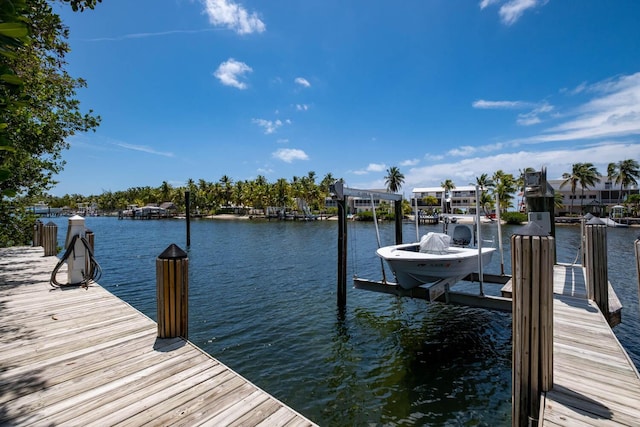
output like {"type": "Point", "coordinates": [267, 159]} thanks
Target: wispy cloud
{"type": "Point", "coordinates": [144, 149]}
{"type": "Point", "coordinates": [409, 162]}
{"type": "Point", "coordinates": [613, 112]}
{"type": "Point", "coordinates": [231, 71]}
{"type": "Point", "coordinates": [302, 82]}
{"type": "Point", "coordinates": [269, 126]}
{"type": "Point", "coordinates": [233, 16]}
{"type": "Point", "coordinates": [288, 155]}
{"type": "Point", "coordinates": [465, 150]}
{"type": "Point", "coordinates": [499, 105]}
{"type": "Point", "coordinates": [372, 167]}
{"type": "Point", "coordinates": [525, 119]}
{"type": "Point", "coordinates": [145, 35]}
{"type": "Point", "coordinates": [302, 107]}
{"type": "Point", "coordinates": [557, 161]}
{"type": "Point", "coordinates": [512, 10]}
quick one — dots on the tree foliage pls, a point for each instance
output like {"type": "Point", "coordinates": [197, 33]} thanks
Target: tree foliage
{"type": "Point", "coordinates": [38, 105]}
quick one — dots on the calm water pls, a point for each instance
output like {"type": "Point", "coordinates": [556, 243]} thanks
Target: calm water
{"type": "Point", "coordinates": [262, 299]}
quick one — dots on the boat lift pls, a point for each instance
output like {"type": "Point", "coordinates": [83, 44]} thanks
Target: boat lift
{"type": "Point", "coordinates": [434, 292]}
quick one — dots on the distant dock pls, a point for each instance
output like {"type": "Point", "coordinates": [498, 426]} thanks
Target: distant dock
{"type": "Point", "coordinates": [81, 356]}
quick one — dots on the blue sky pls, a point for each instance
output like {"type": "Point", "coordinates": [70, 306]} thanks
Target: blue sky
{"type": "Point", "coordinates": [442, 89]}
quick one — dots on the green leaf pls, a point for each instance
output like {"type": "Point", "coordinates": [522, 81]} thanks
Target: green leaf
{"type": "Point", "coordinates": [15, 30]}
{"type": "Point", "coordinates": [7, 148]}
{"type": "Point", "coordinates": [9, 192]}
{"type": "Point", "coordinates": [11, 79]}
{"type": "Point", "coordinates": [4, 174]}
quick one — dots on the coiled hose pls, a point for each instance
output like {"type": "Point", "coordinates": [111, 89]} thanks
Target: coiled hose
{"type": "Point", "coordinates": [94, 273]}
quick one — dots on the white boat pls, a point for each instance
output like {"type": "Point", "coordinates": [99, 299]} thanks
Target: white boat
{"type": "Point", "coordinates": [437, 256]}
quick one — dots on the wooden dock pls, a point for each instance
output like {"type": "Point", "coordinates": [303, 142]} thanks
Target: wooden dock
{"type": "Point", "coordinates": [84, 357]}
{"type": "Point", "coordinates": [595, 383]}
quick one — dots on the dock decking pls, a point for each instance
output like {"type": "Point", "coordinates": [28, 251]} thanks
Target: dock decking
{"type": "Point", "coordinates": [84, 357]}
{"type": "Point", "coordinates": [595, 381]}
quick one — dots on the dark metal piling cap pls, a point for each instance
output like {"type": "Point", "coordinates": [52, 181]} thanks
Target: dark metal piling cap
{"type": "Point", "coordinates": [531, 229]}
{"type": "Point", "coordinates": [595, 221]}
{"type": "Point", "coordinates": [173, 252]}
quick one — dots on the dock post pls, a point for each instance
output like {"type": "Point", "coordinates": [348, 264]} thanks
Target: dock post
{"type": "Point", "coordinates": [172, 291]}
{"type": "Point", "coordinates": [91, 238]}
{"type": "Point", "coordinates": [595, 236]}
{"type": "Point", "coordinates": [342, 253]}
{"type": "Point", "coordinates": [532, 259]}
{"type": "Point", "coordinates": [637, 247]}
{"type": "Point", "coordinates": [397, 204]}
{"type": "Point", "coordinates": [37, 233]}
{"type": "Point", "coordinates": [50, 239]}
{"type": "Point", "coordinates": [187, 204]}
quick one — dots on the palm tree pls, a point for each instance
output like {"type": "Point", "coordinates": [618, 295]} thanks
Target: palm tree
{"type": "Point", "coordinates": [483, 181]}
{"type": "Point", "coordinates": [394, 179]}
{"type": "Point", "coordinates": [447, 186]}
{"type": "Point", "coordinates": [505, 185]}
{"type": "Point", "coordinates": [625, 173]}
{"type": "Point", "coordinates": [572, 179]}
{"type": "Point", "coordinates": [588, 175]}
{"type": "Point", "coordinates": [584, 174]}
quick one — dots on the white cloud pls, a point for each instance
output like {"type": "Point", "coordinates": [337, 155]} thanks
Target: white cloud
{"type": "Point", "coordinates": [557, 162]}
{"type": "Point", "coordinates": [525, 119]}
{"type": "Point", "coordinates": [231, 71]}
{"type": "Point", "coordinates": [371, 167]}
{"type": "Point", "coordinates": [302, 82]}
{"type": "Point", "coordinates": [233, 16]}
{"type": "Point", "coordinates": [302, 107]}
{"type": "Point", "coordinates": [144, 149]}
{"type": "Point", "coordinates": [465, 150]}
{"type": "Point", "coordinates": [613, 112]}
{"type": "Point", "coordinates": [485, 3]}
{"type": "Point", "coordinates": [493, 105]}
{"type": "Point", "coordinates": [409, 162]}
{"type": "Point", "coordinates": [269, 126]}
{"type": "Point", "coordinates": [288, 155]}
{"type": "Point", "coordinates": [376, 167]}
{"type": "Point", "coordinates": [533, 116]}
{"type": "Point", "coordinates": [511, 10]}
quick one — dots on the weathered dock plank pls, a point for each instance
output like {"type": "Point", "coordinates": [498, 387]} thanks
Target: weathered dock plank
{"type": "Point", "coordinates": [81, 356]}
{"type": "Point", "coordinates": [595, 381]}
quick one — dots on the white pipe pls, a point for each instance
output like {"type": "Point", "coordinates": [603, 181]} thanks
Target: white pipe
{"type": "Point", "coordinates": [415, 199]}
{"type": "Point", "coordinates": [480, 273]}
{"type": "Point", "coordinates": [499, 234]}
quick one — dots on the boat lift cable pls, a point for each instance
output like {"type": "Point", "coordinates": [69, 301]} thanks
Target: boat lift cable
{"type": "Point", "coordinates": [375, 221]}
{"type": "Point", "coordinates": [94, 273]}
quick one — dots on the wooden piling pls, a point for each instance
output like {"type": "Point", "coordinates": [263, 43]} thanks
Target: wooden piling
{"type": "Point", "coordinates": [172, 290]}
{"type": "Point", "coordinates": [342, 253]}
{"type": "Point", "coordinates": [397, 204]}
{"type": "Point", "coordinates": [637, 247]}
{"type": "Point", "coordinates": [38, 230]}
{"type": "Point", "coordinates": [187, 204]}
{"type": "Point", "coordinates": [532, 260]}
{"type": "Point", "coordinates": [596, 264]}
{"type": "Point", "coordinates": [90, 237]}
{"type": "Point", "coordinates": [50, 239]}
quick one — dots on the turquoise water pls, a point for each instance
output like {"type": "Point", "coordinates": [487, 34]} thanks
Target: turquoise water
{"type": "Point", "coordinates": [262, 299]}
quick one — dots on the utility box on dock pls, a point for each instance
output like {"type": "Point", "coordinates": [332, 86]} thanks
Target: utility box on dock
{"type": "Point", "coordinates": [77, 263]}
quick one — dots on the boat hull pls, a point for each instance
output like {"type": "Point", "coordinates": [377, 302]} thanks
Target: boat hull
{"type": "Point", "coordinates": [413, 268]}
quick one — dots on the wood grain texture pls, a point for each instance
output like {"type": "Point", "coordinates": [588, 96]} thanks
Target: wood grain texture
{"type": "Point", "coordinates": [80, 356]}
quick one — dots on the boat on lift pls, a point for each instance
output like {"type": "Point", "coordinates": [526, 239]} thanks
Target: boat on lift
{"type": "Point", "coordinates": [436, 257]}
